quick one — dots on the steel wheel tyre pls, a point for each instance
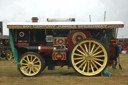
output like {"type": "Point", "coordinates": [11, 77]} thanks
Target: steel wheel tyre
{"type": "Point", "coordinates": [8, 55]}
{"type": "Point", "coordinates": [89, 57]}
{"type": "Point", "coordinates": [31, 64]}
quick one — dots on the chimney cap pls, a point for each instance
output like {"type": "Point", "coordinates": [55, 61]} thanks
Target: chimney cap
{"type": "Point", "coordinates": [34, 19]}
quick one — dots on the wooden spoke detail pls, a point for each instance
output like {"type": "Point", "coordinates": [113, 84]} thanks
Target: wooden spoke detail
{"type": "Point", "coordinates": [79, 62]}
{"type": "Point", "coordinates": [98, 63]}
{"type": "Point", "coordinates": [92, 68]}
{"type": "Point", "coordinates": [28, 59]}
{"type": "Point", "coordinates": [78, 54]}
{"type": "Point", "coordinates": [82, 64]}
{"type": "Point", "coordinates": [94, 65]}
{"type": "Point", "coordinates": [98, 53]}
{"type": "Point", "coordinates": [92, 48]}
{"type": "Point", "coordinates": [24, 64]}
{"type": "Point", "coordinates": [96, 49]}
{"type": "Point", "coordinates": [88, 67]}
{"type": "Point", "coordinates": [78, 58]}
{"type": "Point", "coordinates": [25, 60]}
{"type": "Point", "coordinates": [84, 67]}
{"type": "Point", "coordinates": [86, 47]}
{"type": "Point", "coordinates": [89, 46]}
{"type": "Point", "coordinates": [80, 51]}
{"type": "Point", "coordinates": [34, 60]}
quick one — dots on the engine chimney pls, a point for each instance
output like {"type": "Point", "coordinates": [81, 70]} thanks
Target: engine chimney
{"type": "Point", "coordinates": [34, 19]}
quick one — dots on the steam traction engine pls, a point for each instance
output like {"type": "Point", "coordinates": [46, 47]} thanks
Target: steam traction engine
{"type": "Point", "coordinates": [89, 47]}
{"type": "Point", "coordinates": [5, 49]}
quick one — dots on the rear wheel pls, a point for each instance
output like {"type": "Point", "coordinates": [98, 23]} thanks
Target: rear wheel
{"type": "Point", "coordinates": [31, 64]}
{"type": "Point", "coordinates": [89, 57]}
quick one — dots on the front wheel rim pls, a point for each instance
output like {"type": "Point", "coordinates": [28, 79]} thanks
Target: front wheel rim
{"type": "Point", "coordinates": [30, 65]}
{"type": "Point", "coordinates": [89, 57]}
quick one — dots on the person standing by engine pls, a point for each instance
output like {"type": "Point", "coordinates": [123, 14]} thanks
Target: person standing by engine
{"type": "Point", "coordinates": [103, 37]}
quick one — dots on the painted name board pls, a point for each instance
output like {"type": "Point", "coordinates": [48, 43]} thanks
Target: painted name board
{"type": "Point", "coordinates": [63, 26]}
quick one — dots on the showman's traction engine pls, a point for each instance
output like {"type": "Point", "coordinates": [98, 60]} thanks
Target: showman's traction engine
{"type": "Point", "coordinates": [88, 47]}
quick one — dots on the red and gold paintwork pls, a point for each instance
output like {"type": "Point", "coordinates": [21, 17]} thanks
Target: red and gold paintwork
{"type": "Point", "coordinates": [59, 56]}
{"type": "Point", "coordinates": [113, 41]}
{"type": "Point", "coordinates": [112, 52]}
{"type": "Point", "coordinates": [76, 36]}
{"type": "Point", "coordinates": [47, 50]}
{"type": "Point", "coordinates": [22, 44]}
{"type": "Point", "coordinates": [59, 41]}
{"type": "Point", "coordinates": [111, 55]}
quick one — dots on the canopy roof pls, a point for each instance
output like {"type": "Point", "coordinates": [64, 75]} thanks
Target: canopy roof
{"type": "Point", "coordinates": [66, 25]}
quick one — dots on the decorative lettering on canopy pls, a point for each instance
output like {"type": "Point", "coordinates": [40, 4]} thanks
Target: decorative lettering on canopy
{"type": "Point", "coordinates": [64, 26]}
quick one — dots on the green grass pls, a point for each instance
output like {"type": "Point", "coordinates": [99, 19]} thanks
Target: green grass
{"type": "Point", "coordinates": [9, 75]}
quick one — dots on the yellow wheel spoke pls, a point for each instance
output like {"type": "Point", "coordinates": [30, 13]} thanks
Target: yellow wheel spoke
{"type": "Point", "coordinates": [28, 59]}
{"type": "Point", "coordinates": [96, 49]}
{"type": "Point", "coordinates": [92, 68]}
{"type": "Point", "coordinates": [78, 54]}
{"type": "Point", "coordinates": [23, 67]}
{"type": "Point", "coordinates": [100, 56]}
{"type": "Point", "coordinates": [36, 62]}
{"type": "Point", "coordinates": [89, 46]}
{"type": "Point", "coordinates": [31, 58]}
{"type": "Point", "coordinates": [92, 48]}
{"type": "Point", "coordinates": [88, 67]}
{"type": "Point", "coordinates": [36, 65]}
{"type": "Point", "coordinates": [25, 60]}
{"type": "Point", "coordinates": [30, 71]}
{"type": "Point", "coordinates": [98, 52]}
{"type": "Point", "coordinates": [78, 58]}
{"type": "Point", "coordinates": [24, 64]}
{"type": "Point", "coordinates": [79, 62]}
{"type": "Point", "coordinates": [34, 59]}
{"type": "Point", "coordinates": [82, 64]}
{"type": "Point", "coordinates": [94, 65]}
{"type": "Point", "coordinates": [84, 67]}
{"type": "Point", "coordinates": [26, 69]}
{"type": "Point", "coordinates": [80, 51]}
{"type": "Point", "coordinates": [98, 63]}
{"type": "Point", "coordinates": [86, 47]}
{"type": "Point", "coordinates": [98, 59]}
{"type": "Point", "coordinates": [36, 68]}
{"type": "Point", "coordinates": [33, 70]}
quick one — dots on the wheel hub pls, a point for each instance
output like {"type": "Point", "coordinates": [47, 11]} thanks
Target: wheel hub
{"type": "Point", "coordinates": [89, 58]}
{"type": "Point", "coordinates": [30, 64]}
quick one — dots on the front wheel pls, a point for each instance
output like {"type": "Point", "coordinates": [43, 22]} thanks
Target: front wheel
{"type": "Point", "coordinates": [89, 57]}
{"type": "Point", "coordinates": [31, 64]}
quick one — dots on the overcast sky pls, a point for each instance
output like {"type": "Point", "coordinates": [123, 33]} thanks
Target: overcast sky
{"type": "Point", "coordinates": [23, 10]}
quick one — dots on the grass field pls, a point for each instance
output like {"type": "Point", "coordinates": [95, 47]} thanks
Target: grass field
{"type": "Point", "coordinates": [9, 75]}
